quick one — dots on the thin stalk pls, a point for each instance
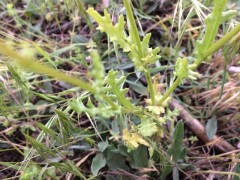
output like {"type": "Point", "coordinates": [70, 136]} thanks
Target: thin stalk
{"type": "Point", "coordinates": [215, 47]}
{"type": "Point", "coordinates": [150, 86]}
{"type": "Point", "coordinates": [170, 90]}
{"type": "Point", "coordinates": [133, 26]}
{"type": "Point", "coordinates": [28, 63]}
{"type": "Point", "coordinates": [139, 46]}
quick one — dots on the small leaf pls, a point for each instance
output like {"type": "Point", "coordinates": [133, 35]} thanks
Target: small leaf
{"type": "Point", "coordinates": [132, 140]}
{"type": "Point", "coordinates": [137, 86]}
{"type": "Point", "coordinates": [118, 35]}
{"type": "Point", "coordinates": [98, 163]}
{"type": "Point", "coordinates": [31, 172]}
{"type": "Point", "coordinates": [177, 144]}
{"type": "Point", "coordinates": [175, 150]}
{"type": "Point", "coordinates": [115, 86]}
{"type": "Point", "coordinates": [181, 68]}
{"type": "Point", "coordinates": [44, 54]}
{"type": "Point", "coordinates": [103, 145]}
{"type": "Point", "coordinates": [211, 127]}
{"type": "Point", "coordinates": [147, 127]}
{"type": "Point", "coordinates": [48, 131]}
{"type": "Point", "coordinates": [42, 149]}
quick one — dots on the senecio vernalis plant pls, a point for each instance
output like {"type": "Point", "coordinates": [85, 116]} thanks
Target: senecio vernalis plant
{"type": "Point", "coordinates": [142, 56]}
{"type": "Point", "coordinates": [108, 89]}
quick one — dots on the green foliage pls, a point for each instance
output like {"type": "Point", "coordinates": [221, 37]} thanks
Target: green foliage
{"type": "Point", "coordinates": [138, 162]}
{"type": "Point", "coordinates": [118, 35]}
{"type": "Point", "coordinates": [115, 87]}
{"type": "Point", "coordinates": [205, 47]}
{"type": "Point", "coordinates": [132, 129]}
{"type": "Point", "coordinates": [213, 21]}
{"type": "Point", "coordinates": [175, 149]}
{"type": "Point", "coordinates": [13, 12]}
{"type": "Point", "coordinates": [98, 162]}
{"type": "Point", "coordinates": [181, 68]}
{"type": "Point", "coordinates": [30, 173]}
{"type": "Point", "coordinates": [147, 128]}
{"type": "Point", "coordinates": [101, 110]}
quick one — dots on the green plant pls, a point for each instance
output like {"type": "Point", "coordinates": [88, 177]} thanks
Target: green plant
{"type": "Point", "coordinates": [109, 99]}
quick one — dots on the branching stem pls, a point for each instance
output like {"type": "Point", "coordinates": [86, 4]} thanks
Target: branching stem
{"type": "Point", "coordinates": [215, 47]}
{"type": "Point", "coordinates": [136, 37]}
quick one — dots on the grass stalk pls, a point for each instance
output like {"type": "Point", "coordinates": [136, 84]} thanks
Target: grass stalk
{"type": "Point", "coordinates": [134, 29]}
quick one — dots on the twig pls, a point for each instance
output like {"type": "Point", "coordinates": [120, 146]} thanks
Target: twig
{"type": "Point", "coordinates": [199, 129]}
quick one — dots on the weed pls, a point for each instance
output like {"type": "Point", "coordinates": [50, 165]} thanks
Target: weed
{"type": "Point", "coordinates": [124, 129]}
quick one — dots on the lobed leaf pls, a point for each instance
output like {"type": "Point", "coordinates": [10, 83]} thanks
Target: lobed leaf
{"type": "Point", "coordinates": [181, 68]}
{"type": "Point", "coordinates": [213, 21]}
{"type": "Point", "coordinates": [116, 33]}
{"type": "Point", "coordinates": [133, 140]}
{"type": "Point", "coordinates": [147, 127]}
{"type": "Point", "coordinates": [129, 43]}
{"type": "Point", "coordinates": [115, 86]}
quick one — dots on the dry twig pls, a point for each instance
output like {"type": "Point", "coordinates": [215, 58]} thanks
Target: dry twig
{"type": "Point", "coordinates": [199, 129]}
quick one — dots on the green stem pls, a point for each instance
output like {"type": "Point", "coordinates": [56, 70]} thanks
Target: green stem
{"type": "Point", "coordinates": [135, 35]}
{"type": "Point", "coordinates": [215, 47]}
{"type": "Point", "coordinates": [150, 86]}
{"type": "Point", "coordinates": [28, 63]}
{"type": "Point", "coordinates": [170, 90]}
{"type": "Point", "coordinates": [133, 26]}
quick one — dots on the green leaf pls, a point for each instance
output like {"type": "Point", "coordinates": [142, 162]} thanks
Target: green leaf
{"type": "Point", "coordinates": [213, 21]}
{"type": "Point", "coordinates": [115, 86]}
{"type": "Point", "coordinates": [177, 144]}
{"type": "Point", "coordinates": [181, 68]}
{"type": "Point", "coordinates": [211, 127]}
{"type": "Point", "coordinates": [48, 131]}
{"type": "Point", "coordinates": [137, 86]}
{"type": "Point", "coordinates": [84, 13]}
{"type": "Point", "coordinates": [98, 163]}
{"type": "Point", "coordinates": [116, 32]}
{"type": "Point", "coordinates": [103, 145]}
{"type": "Point", "coordinates": [58, 52]}
{"type": "Point", "coordinates": [175, 150]}
{"type": "Point", "coordinates": [139, 157]}
{"type": "Point", "coordinates": [147, 128]}
{"type": "Point", "coordinates": [102, 110]}
{"type": "Point", "coordinates": [44, 54]}
{"type": "Point", "coordinates": [65, 125]}
{"type": "Point", "coordinates": [115, 161]}
{"type": "Point", "coordinates": [12, 165]}
{"type": "Point", "coordinates": [139, 52]}
{"type": "Point", "coordinates": [31, 172]}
